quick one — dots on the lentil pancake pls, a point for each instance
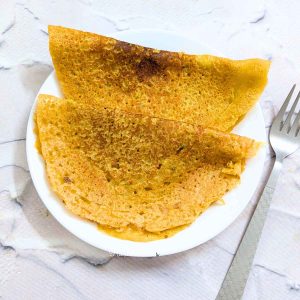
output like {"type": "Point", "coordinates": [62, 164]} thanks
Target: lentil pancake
{"type": "Point", "coordinates": [199, 89]}
{"type": "Point", "coordinates": [139, 177]}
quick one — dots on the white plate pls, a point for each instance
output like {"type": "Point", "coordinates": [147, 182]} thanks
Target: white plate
{"type": "Point", "coordinates": [208, 225]}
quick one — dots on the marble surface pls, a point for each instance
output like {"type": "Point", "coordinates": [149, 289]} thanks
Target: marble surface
{"type": "Point", "coordinates": [40, 259]}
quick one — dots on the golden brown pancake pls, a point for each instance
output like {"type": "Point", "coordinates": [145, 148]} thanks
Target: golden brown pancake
{"type": "Point", "coordinates": [199, 89]}
{"type": "Point", "coordinates": [136, 175]}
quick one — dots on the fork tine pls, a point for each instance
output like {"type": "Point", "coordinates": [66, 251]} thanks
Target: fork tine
{"type": "Point", "coordinates": [295, 125]}
{"type": "Point", "coordinates": [280, 115]}
{"type": "Point", "coordinates": [287, 122]}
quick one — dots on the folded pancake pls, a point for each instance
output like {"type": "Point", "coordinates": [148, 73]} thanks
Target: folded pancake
{"type": "Point", "coordinates": [199, 89]}
{"type": "Point", "coordinates": [137, 176]}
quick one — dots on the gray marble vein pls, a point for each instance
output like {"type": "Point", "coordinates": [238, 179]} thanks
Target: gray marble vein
{"type": "Point", "coordinates": [12, 141]}
{"type": "Point", "coordinates": [259, 18]}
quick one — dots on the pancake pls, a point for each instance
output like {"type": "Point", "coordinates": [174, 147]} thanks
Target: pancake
{"type": "Point", "coordinates": [203, 90]}
{"type": "Point", "coordinates": [138, 177]}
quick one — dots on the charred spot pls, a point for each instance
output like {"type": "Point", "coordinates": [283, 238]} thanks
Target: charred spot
{"type": "Point", "coordinates": [67, 179]}
{"type": "Point", "coordinates": [148, 67]}
{"type": "Point", "coordinates": [176, 205]}
{"type": "Point", "coordinates": [115, 165]}
{"type": "Point", "coordinates": [148, 188]}
{"type": "Point", "coordinates": [180, 149]}
{"type": "Point", "coordinates": [108, 177]}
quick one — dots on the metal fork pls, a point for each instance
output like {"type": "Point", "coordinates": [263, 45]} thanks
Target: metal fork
{"type": "Point", "coordinates": [285, 139]}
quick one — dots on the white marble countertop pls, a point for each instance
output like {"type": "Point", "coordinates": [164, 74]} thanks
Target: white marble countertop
{"type": "Point", "coordinates": [40, 259]}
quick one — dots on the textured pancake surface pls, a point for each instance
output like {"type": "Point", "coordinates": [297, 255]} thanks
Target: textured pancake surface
{"type": "Point", "coordinates": [199, 89]}
{"type": "Point", "coordinates": [136, 175]}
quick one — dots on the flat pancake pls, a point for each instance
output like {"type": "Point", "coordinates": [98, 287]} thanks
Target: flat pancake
{"type": "Point", "coordinates": [137, 176]}
{"type": "Point", "coordinates": [199, 89]}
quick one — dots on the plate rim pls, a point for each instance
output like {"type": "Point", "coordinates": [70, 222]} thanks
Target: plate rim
{"type": "Point", "coordinates": [147, 253]}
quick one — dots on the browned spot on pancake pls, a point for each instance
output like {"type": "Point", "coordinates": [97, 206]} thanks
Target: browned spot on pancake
{"type": "Point", "coordinates": [125, 47]}
{"type": "Point", "coordinates": [67, 179]}
{"type": "Point", "coordinates": [115, 165]}
{"type": "Point", "coordinates": [148, 67]}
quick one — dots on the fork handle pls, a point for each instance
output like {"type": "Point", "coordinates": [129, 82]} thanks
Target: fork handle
{"type": "Point", "coordinates": [237, 275]}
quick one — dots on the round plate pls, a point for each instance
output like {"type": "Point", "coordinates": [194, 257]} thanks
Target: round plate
{"type": "Point", "coordinates": [208, 225]}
